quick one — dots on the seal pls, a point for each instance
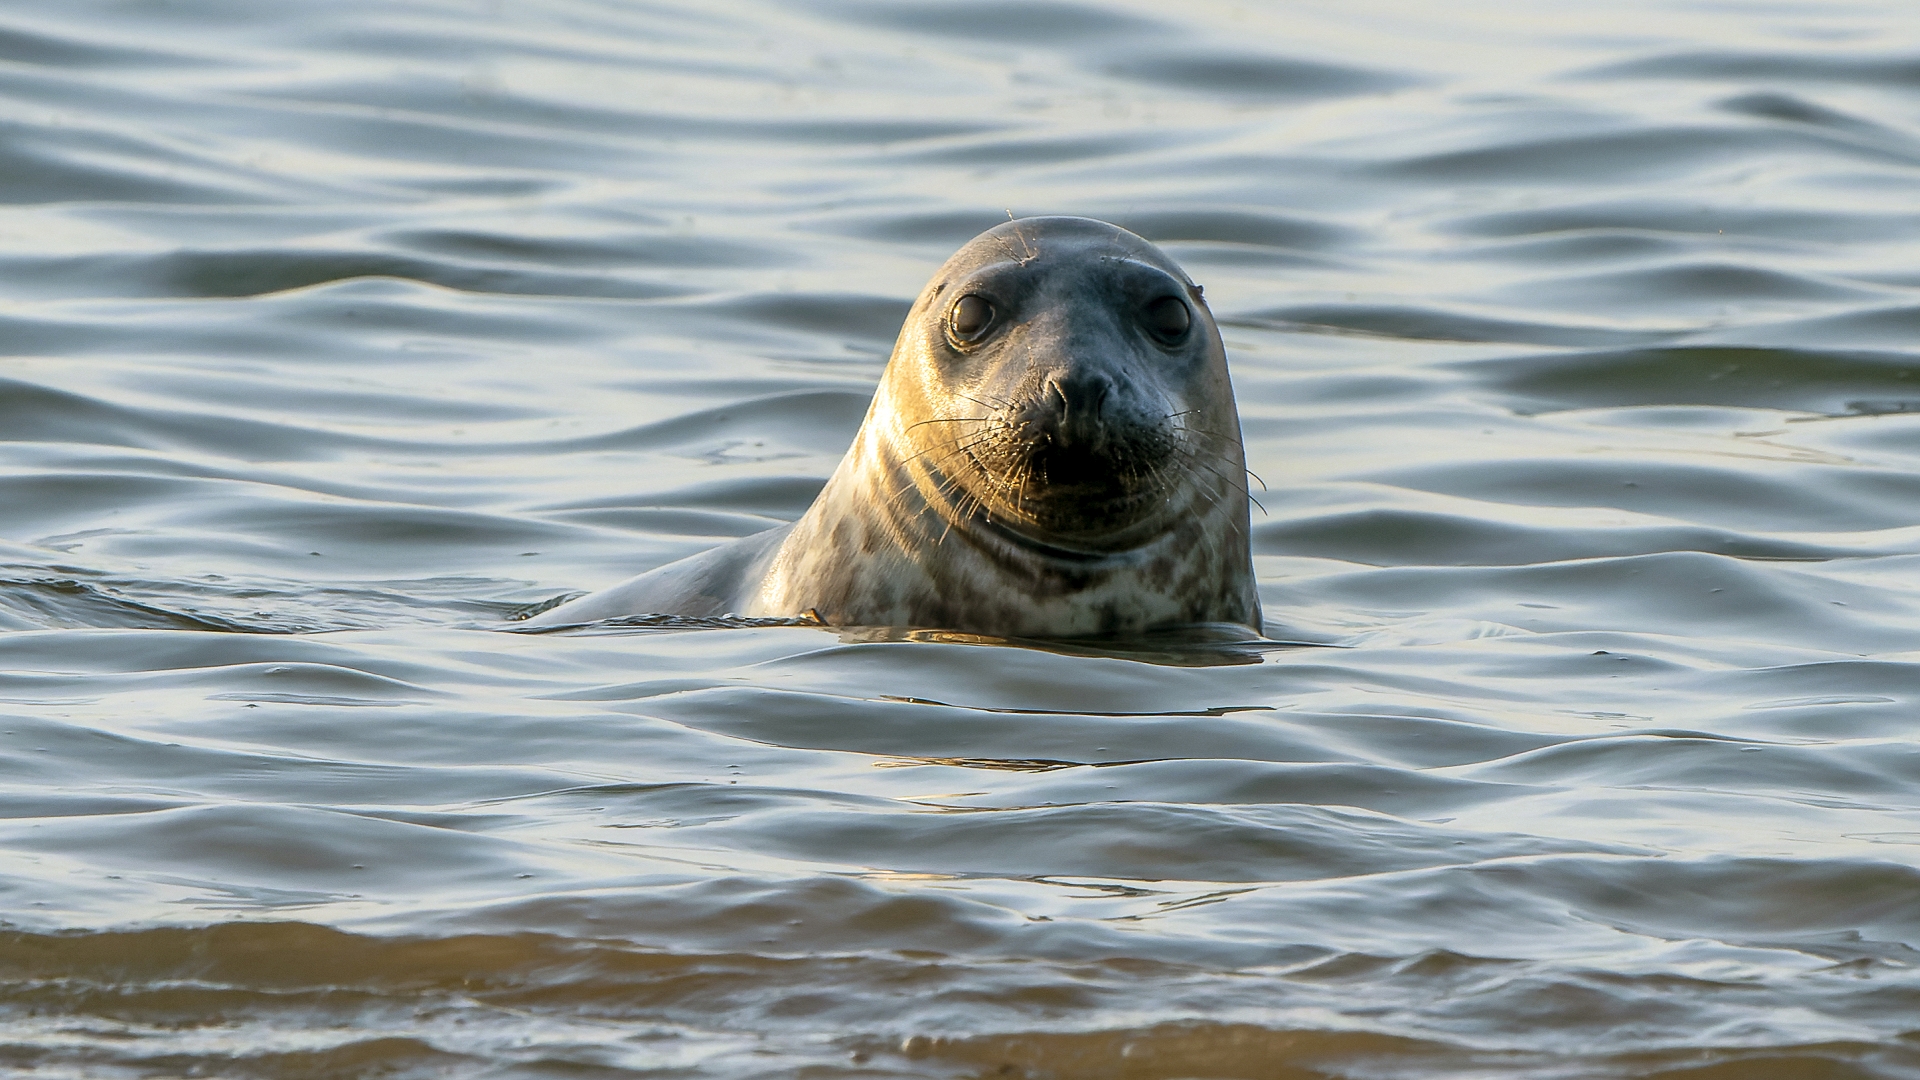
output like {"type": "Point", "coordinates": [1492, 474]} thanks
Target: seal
{"type": "Point", "coordinates": [1053, 451]}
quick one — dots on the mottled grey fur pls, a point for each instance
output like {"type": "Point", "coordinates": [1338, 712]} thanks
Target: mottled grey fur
{"type": "Point", "coordinates": [1066, 474]}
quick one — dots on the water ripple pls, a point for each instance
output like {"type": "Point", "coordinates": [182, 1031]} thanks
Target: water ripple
{"type": "Point", "coordinates": [1574, 352]}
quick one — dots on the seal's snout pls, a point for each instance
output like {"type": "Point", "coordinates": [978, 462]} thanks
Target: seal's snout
{"type": "Point", "coordinates": [1071, 410]}
{"type": "Point", "coordinates": [1080, 452]}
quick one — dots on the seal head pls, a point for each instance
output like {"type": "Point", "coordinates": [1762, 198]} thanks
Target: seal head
{"type": "Point", "coordinates": [1053, 451]}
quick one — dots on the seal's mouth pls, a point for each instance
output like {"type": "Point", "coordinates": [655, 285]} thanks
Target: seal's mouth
{"type": "Point", "coordinates": [1036, 481]}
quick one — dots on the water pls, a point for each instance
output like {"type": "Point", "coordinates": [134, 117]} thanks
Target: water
{"type": "Point", "coordinates": [1575, 350]}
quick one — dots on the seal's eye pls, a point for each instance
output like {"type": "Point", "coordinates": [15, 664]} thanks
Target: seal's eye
{"type": "Point", "coordinates": [970, 318]}
{"type": "Point", "coordinates": [1168, 319]}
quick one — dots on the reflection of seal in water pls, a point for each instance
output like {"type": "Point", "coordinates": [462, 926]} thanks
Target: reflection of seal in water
{"type": "Point", "coordinates": [1053, 452]}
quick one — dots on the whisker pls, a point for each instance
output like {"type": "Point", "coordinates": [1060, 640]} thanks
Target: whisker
{"type": "Point", "coordinates": [948, 420]}
{"type": "Point", "coordinates": [1196, 461]}
{"type": "Point", "coordinates": [943, 445]}
{"type": "Point", "coordinates": [990, 407]}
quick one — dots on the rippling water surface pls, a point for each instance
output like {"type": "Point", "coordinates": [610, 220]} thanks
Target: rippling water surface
{"type": "Point", "coordinates": [1575, 347]}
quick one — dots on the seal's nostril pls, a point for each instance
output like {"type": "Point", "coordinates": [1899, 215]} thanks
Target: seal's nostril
{"type": "Point", "coordinates": [1069, 409]}
{"type": "Point", "coordinates": [1087, 391]}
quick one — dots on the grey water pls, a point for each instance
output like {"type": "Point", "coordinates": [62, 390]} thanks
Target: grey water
{"type": "Point", "coordinates": [1575, 350]}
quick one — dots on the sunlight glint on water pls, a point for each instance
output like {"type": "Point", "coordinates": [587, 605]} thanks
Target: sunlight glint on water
{"type": "Point", "coordinates": [1574, 351]}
